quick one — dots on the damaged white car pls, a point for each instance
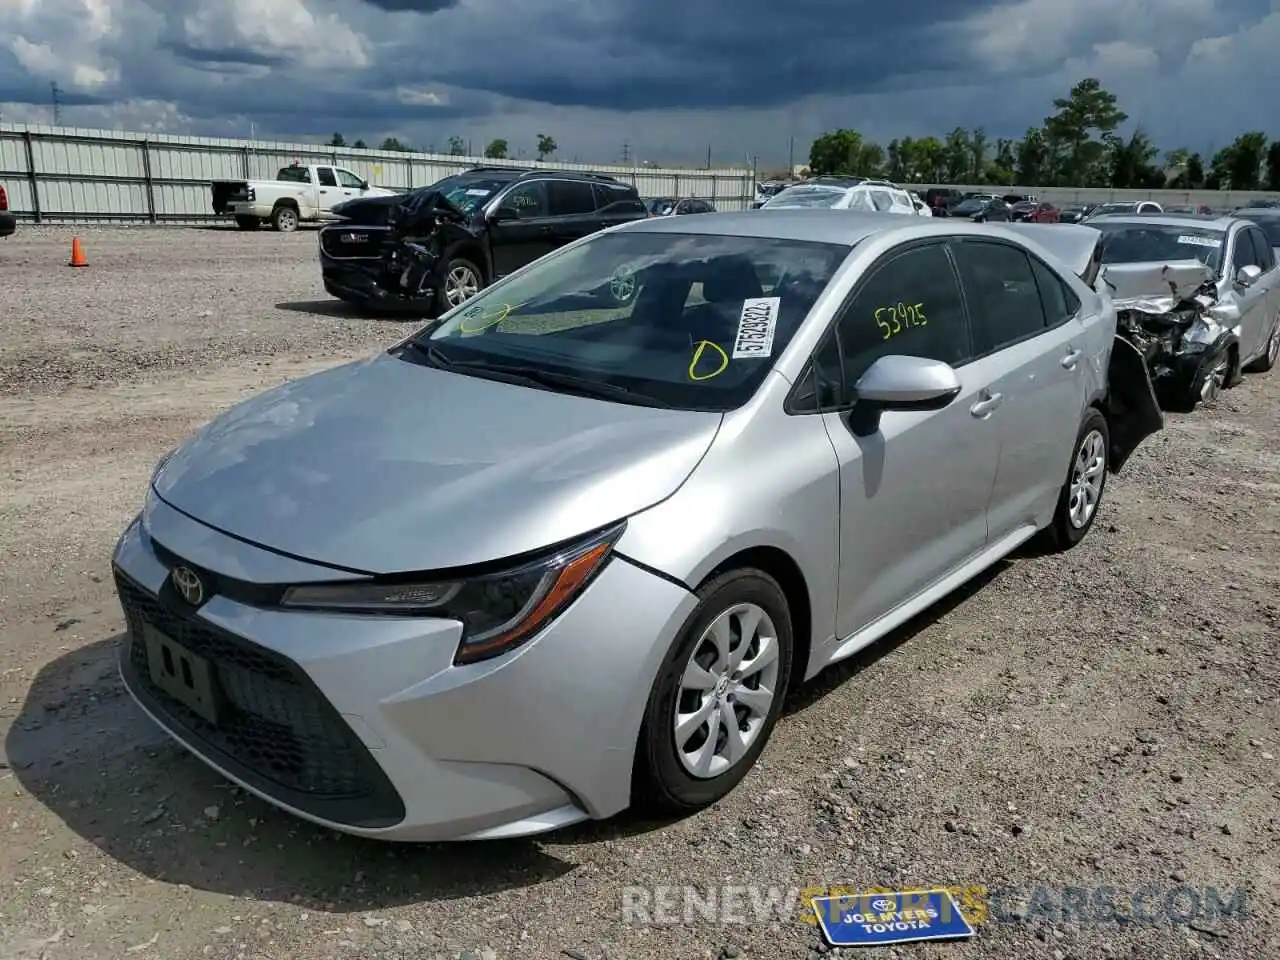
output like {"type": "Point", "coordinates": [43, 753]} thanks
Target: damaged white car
{"type": "Point", "coordinates": [1198, 296]}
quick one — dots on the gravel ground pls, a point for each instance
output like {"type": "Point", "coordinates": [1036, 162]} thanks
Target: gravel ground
{"type": "Point", "coordinates": [1106, 718]}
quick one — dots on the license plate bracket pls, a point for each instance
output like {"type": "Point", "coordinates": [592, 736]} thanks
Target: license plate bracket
{"type": "Point", "coordinates": [181, 674]}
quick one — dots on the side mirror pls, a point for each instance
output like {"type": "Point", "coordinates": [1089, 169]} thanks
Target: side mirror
{"type": "Point", "coordinates": [1248, 275]}
{"type": "Point", "coordinates": [505, 214]}
{"type": "Point", "coordinates": [901, 383]}
{"type": "Point", "coordinates": [364, 184]}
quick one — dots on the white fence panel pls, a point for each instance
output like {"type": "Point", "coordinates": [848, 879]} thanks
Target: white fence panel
{"type": "Point", "coordinates": [69, 175]}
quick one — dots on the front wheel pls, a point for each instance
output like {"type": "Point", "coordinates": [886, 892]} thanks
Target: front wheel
{"type": "Point", "coordinates": [1210, 379]}
{"type": "Point", "coordinates": [1081, 495]}
{"type": "Point", "coordinates": [462, 281]}
{"type": "Point", "coordinates": [717, 696]}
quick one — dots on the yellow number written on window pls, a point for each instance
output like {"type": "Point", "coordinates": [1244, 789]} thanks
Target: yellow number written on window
{"type": "Point", "coordinates": [896, 317]}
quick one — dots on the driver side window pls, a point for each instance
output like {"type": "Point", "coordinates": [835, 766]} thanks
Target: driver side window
{"type": "Point", "coordinates": [349, 179]}
{"type": "Point", "coordinates": [909, 304]}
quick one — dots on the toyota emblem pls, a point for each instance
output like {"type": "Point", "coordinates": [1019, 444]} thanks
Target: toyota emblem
{"type": "Point", "coordinates": [188, 585]}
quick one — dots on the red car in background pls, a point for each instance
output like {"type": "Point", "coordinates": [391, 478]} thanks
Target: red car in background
{"type": "Point", "coordinates": [1035, 211]}
{"type": "Point", "coordinates": [8, 222]}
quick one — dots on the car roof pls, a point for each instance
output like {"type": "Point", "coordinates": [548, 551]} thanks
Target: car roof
{"type": "Point", "coordinates": [821, 225]}
{"type": "Point", "coordinates": [516, 173]}
{"type": "Point", "coordinates": [1215, 220]}
{"type": "Point", "coordinates": [1251, 213]}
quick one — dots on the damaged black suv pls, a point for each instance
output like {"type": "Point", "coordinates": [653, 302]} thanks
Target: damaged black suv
{"type": "Point", "coordinates": [427, 250]}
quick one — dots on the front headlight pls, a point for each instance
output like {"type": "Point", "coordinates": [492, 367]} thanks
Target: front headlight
{"type": "Point", "coordinates": [498, 611]}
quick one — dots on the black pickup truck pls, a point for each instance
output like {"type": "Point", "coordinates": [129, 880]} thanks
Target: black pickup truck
{"type": "Point", "coordinates": [469, 230]}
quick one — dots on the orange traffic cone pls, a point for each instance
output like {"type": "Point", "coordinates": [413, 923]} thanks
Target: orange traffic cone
{"type": "Point", "coordinates": [77, 254]}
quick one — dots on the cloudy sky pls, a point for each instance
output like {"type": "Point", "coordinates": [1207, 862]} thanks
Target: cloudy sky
{"type": "Point", "coordinates": [667, 78]}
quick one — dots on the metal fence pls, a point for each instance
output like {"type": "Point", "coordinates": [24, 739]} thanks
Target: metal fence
{"type": "Point", "coordinates": [69, 175]}
{"type": "Point", "coordinates": [1215, 199]}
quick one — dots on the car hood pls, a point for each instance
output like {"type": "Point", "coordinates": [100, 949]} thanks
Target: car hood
{"type": "Point", "coordinates": [1072, 244]}
{"type": "Point", "coordinates": [385, 466]}
{"type": "Point", "coordinates": [1156, 287]}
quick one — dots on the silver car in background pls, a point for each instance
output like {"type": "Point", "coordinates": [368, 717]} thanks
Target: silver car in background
{"type": "Point", "coordinates": [1198, 295]}
{"type": "Point", "coordinates": [566, 549]}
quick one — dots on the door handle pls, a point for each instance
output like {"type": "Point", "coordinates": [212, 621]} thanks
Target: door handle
{"type": "Point", "coordinates": [322, 190]}
{"type": "Point", "coordinates": [1071, 359]}
{"type": "Point", "coordinates": [983, 408]}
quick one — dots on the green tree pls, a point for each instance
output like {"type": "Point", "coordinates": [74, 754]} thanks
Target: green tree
{"type": "Point", "coordinates": [1238, 166]}
{"type": "Point", "coordinates": [497, 149]}
{"type": "Point", "coordinates": [1195, 172]}
{"type": "Point", "coordinates": [894, 168]}
{"type": "Point", "coordinates": [393, 143]}
{"type": "Point", "coordinates": [337, 140]}
{"type": "Point", "coordinates": [931, 159]}
{"type": "Point", "coordinates": [835, 152]}
{"type": "Point", "coordinates": [959, 155]}
{"type": "Point", "coordinates": [1088, 109]}
{"type": "Point", "coordinates": [1133, 162]}
{"type": "Point", "coordinates": [1273, 166]}
{"type": "Point", "coordinates": [360, 145]}
{"type": "Point", "coordinates": [546, 146]}
{"type": "Point", "coordinates": [978, 146]}
{"type": "Point", "coordinates": [1032, 155]}
{"type": "Point", "coordinates": [457, 147]}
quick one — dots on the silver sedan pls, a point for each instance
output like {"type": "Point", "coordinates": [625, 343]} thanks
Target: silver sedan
{"type": "Point", "coordinates": [567, 548]}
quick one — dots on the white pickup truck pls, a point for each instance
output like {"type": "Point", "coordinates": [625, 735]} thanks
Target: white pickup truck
{"type": "Point", "coordinates": [298, 193]}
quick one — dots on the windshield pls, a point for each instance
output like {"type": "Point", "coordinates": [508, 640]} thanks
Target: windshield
{"type": "Point", "coordinates": [469, 192]}
{"type": "Point", "coordinates": [1115, 208]}
{"type": "Point", "coordinates": [693, 321]}
{"type": "Point", "coordinates": [1153, 243]}
{"type": "Point", "coordinates": [807, 197]}
{"type": "Point", "coordinates": [968, 206]}
{"type": "Point", "coordinates": [661, 205]}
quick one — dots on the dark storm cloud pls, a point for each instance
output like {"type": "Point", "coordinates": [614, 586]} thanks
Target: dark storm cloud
{"type": "Point", "coordinates": [225, 57]}
{"type": "Point", "coordinates": [412, 6]}
{"type": "Point", "coordinates": [646, 54]}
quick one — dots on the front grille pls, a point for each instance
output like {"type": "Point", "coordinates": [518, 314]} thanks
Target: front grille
{"type": "Point", "coordinates": [353, 243]}
{"type": "Point", "coordinates": [276, 730]}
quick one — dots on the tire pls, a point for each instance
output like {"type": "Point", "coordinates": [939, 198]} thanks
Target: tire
{"type": "Point", "coordinates": [456, 268]}
{"type": "Point", "coordinates": [284, 219]}
{"type": "Point", "coordinates": [1213, 375]}
{"type": "Point", "coordinates": [1268, 359]}
{"type": "Point", "coordinates": [1090, 459]}
{"type": "Point", "coordinates": [248, 223]}
{"type": "Point", "coordinates": [665, 781]}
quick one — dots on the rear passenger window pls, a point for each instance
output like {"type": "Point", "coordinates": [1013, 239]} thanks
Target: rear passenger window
{"type": "Point", "coordinates": [909, 305]}
{"type": "Point", "coordinates": [571, 198]}
{"type": "Point", "coordinates": [1004, 301]}
{"type": "Point", "coordinates": [616, 200]}
{"type": "Point", "coordinates": [1059, 301]}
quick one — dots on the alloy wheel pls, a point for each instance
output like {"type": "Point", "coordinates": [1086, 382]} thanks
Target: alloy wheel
{"type": "Point", "coordinates": [1087, 475]}
{"type": "Point", "coordinates": [1273, 345]}
{"type": "Point", "coordinates": [461, 284]}
{"type": "Point", "coordinates": [727, 690]}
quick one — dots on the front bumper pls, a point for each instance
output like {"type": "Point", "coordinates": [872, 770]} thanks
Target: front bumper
{"type": "Point", "coordinates": [358, 282]}
{"type": "Point", "coordinates": [362, 723]}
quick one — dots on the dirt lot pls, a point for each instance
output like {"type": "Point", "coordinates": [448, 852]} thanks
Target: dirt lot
{"type": "Point", "coordinates": [1107, 718]}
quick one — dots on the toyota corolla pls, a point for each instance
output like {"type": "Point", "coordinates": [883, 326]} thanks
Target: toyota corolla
{"type": "Point", "coordinates": [566, 549]}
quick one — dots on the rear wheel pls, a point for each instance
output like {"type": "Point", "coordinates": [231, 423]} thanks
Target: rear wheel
{"type": "Point", "coordinates": [1269, 357]}
{"type": "Point", "coordinates": [1081, 495]}
{"type": "Point", "coordinates": [717, 696]}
